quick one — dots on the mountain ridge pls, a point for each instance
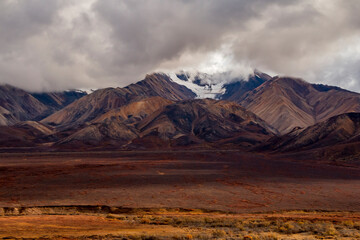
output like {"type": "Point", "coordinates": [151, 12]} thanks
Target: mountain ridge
{"type": "Point", "coordinates": [337, 130]}
{"type": "Point", "coordinates": [103, 100]}
{"type": "Point", "coordinates": [286, 103]}
{"type": "Point", "coordinates": [264, 113]}
{"type": "Point", "coordinates": [17, 105]}
{"type": "Point", "coordinates": [173, 124]}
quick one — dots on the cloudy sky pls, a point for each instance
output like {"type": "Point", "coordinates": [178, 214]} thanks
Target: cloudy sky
{"type": "Point", "coordinates": [62, 44]}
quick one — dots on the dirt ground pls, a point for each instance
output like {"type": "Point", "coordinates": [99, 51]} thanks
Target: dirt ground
{"type": "Point", "coordinates": [219, 180]}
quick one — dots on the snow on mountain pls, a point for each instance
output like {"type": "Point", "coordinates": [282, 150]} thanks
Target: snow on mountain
{"type": "Point", "coordinates": [85, 90]}
{"type": "Point", "coordinates": [203, 85]}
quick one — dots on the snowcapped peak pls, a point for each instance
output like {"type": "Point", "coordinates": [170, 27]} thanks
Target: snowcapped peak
{"type": "Point", "coordinates": [201, 84]}
{"type": "Point", "coordinates": [85, 90]}
{"type": "Point", "coordinates": [215, 85]}
{"type": "Point", "coordinates": [182, 75]}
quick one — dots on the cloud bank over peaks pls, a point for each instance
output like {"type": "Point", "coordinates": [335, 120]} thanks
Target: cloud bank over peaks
{"type": "Point", "coordinates": [64, 44]}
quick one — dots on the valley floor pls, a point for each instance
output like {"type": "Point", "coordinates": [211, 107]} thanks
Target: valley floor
{"type": "Point", "coordinates": [226, 181]}
{"type": "Point", "coordinates": [219, 180]}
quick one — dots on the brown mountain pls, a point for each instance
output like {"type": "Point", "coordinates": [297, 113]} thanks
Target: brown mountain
{"type": "Point", "coordinates": [101, 101]}
{"type": "Point", "coordinates": [18, 105]}
{"type": "Point", "coordinates": [157, 112]}
{"type": "Point", "coordinates": [160, 123]}
{"type": "Point", "coordinates": [108, 133]}
{"type": "Point", "coordinates": [116, 127]}
{"type": "Point", "coordinates": [58, 100]}
{"type": "Point", "coordinates": [237, 90]}
{"type": "Point", "coordinates": [135, 111]}
{"type": "Point", "coordinates": [286, 102]}
{"type": "Point", "coordinates": [6, 117]}
{"type": "Point", "coordinates": [204, 120]}
{"type": "Point", "coordinates": [24, 134]}
{"type": "Point", "coordinates": [340, 129]}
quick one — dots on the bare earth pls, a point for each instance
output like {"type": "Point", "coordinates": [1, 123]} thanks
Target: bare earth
{"type": "Point", "coordinates": [219, 180]}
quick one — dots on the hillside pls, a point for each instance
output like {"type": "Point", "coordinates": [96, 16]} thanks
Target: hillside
{"type": "Point", "coordinates": [58, 100]}
{"type": "Point", "coordinates": [101, 101]}
{"type": "Point", "coordinates": [341, 129]}
{"type": "Point", "coordinates": [167, 124]}
{"type": "Point", "coordinates": [18, 105]}
{"type": "Point", "coordinates": [205, 120]}
{"type": "Point", "coordinates": [286, 103]}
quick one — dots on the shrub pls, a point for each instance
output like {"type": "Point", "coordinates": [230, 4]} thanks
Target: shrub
{"type": "Point", "coordinates": [248, 238]}
{"type": "Point", "coordinates": [287, 228]}
{"type": "Point", "coordinates": [324, 229]}
{"type": "Point", "coordinates": [189, 236]}
{"type": "Point", "coordinates": [349, 224]}
{"type": "Point", "coordinates": [270, 237]}
{"type": "Point", "coordinates": [218, 233]}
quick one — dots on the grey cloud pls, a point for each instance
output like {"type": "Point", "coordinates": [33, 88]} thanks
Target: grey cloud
{"type": "Point", "coordinates": [302, 41]}
{"type": "Point", "coordinates": [145, 34]}
{"type": "Point", "coordinates": [60, 44]}
{"type": "Point", "coordinates": [24, 18]}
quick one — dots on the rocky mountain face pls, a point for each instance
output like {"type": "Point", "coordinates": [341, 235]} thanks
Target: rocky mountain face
{"type": "Point", "coordinates": [6, 117]}
{"type": "Point", "coordinates": [24, 134]}
{"type": "Point", "coordinates": [237, 90]}
{"type": "Point", "coordinates": [104, 100]}
{"type": "Point", "coordinates": [117, 126]}
{"type": "Point", "coordinates": [340, 129]}
{"type": "Point", "coordinates": [58, 100]}
{"type": "Point", "coordinates": [172, 124]}
{"type": "Point", "coordinates": [336, 140]}
{"type": "Point", "coordinates": [283, 102]}
{"type": "Point", "coordinates": [18, 105]}
{"type": "Point", "coordinates": [280, 114]}
{"type": "Point", "coordinates": [205, 120]}
{"type": "Point", "coordinates": [286, 103]}
{"type": "Point", "coordinates": [135, 111]}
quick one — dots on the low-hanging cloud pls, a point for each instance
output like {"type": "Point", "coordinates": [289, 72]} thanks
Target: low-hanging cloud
{"type": "Point", "coordinates": [62, 44]}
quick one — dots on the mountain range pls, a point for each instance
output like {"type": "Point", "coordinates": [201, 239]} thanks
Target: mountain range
{"type": "Point", "coordinates": [18, 105]}
{"type": "Point", "coordinates": [276, 114]}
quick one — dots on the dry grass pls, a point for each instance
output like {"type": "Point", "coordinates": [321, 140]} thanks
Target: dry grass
{"type": "Point", "coordinates": [179, 224]}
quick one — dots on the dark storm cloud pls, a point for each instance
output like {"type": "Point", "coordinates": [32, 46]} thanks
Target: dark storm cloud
{"type": "Point", "coordinates": [89, 44]}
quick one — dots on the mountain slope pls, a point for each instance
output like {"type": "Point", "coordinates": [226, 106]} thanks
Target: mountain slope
{"type": "Point", "coordinates": [286, 103]}
{"type": "Point", "coordinates": [116, 127]}
{"type": "Point", "coordinates": [158, 84]}
{"type": "Point", "coordinates": [237, 90]}
{"type": "Point", "coordinates": [6, 117]}
{"type": "Point", "coordinates": [109, 132]}
{"type": "Point", "coordinates": [18, 105]}
{"type": "Point", "coordinates": [341, 129]}
{"type": "Point", "coordinates": [135, 111]}
{"type": "Point", "coordinates": [158, 122]}
{"type": "Point", "coordinates": [24, 134]}
{"type": "Point", "coordinates": [205, 120]}
{"type": "Point", "coordinates": [101, 101]}
{"type": "Point", "coordinates": [58, 100]}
